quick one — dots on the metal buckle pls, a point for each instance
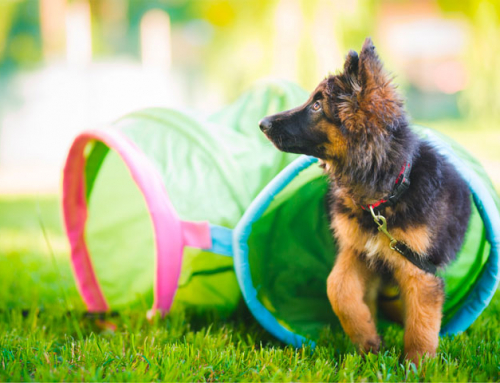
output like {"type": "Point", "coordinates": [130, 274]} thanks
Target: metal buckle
{"type": "Point", "coordinates": [382, 227]}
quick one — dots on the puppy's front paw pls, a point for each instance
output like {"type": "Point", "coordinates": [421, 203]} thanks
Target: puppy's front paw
{"type": "Point", "coordinates": [417, 356]}
{"type": "Point", "coordinates": [371, 344]}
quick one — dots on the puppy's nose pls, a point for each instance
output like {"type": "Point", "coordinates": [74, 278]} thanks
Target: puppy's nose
{"type": "Point", "coordinates": [265, 124]}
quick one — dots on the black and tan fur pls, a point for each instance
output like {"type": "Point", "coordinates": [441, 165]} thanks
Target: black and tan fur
{"type": "Point", "coordinates": [356, 123]}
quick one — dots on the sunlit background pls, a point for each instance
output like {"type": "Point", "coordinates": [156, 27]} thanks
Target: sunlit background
{"type": "Point", "coordinates": [69, 65]}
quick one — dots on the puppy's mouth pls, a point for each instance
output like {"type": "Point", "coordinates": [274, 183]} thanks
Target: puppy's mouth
{"type": "Point", "coordinates": [289, 144]}
{"type": "Point", "coordinates": [285, 143]}
{"type": "Point", "coordinates": [278, 140]}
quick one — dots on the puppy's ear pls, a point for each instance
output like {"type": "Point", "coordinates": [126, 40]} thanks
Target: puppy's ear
{"type": "Point", "coordinates": [368, 99]}
{"type": "Point", "coordinates": [371, 71]}
{"type": "Point", "coordinates": [351, 64]}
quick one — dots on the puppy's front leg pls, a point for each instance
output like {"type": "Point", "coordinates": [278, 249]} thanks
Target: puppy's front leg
{"type": "Point", "coordinates": [346, 287]}
{"type": "Point", "coordinates": [423, 297]}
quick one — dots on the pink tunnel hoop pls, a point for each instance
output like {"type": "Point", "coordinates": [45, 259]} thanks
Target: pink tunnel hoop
{"type": "Point", "coordinates": [170, 233]}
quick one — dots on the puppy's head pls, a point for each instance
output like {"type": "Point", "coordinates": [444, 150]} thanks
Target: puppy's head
{"type": "Point", "coordinates": [347, 112]}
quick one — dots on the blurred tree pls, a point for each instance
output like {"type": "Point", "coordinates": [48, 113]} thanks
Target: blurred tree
{"type": "Point", "coordinates": [218, 13]}
{"type": "Point", "coordinates": [356, 22]}
{"type": "Point", "coordinates": [301, 40]}
{"type": "Point", "coordinates": [53, 28]}
{"type": "Point", "coordinates": [22, 43]}
{"type": "Point", "coordinates": [238, 49]}
{"type": "Point", "coordinates": [109, 27]}
{"type": "Point", "coordinates": [6, 18]}
{"type": "Point", "coordinates": [479, 100]}
{"type": "Point", "coordinates": [179, 11]}
{"type": "Point", "coordinates": [332, 28]}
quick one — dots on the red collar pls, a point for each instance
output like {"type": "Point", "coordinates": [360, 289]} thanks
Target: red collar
{"type": "Point", "coordinates": [401, 186]}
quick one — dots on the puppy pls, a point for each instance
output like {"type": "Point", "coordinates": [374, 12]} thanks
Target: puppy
{"type": "Point", "coordinates": [399, 209]}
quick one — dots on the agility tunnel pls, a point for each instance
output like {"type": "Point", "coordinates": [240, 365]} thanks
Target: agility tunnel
{"type": "Point", "coordinates": [284, 251]}
{"type": "Point", "coordinates": [163, 210]}
{"type": "Point", "coordinates": [148, 202]}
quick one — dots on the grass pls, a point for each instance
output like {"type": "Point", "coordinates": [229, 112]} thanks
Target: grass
{"type": "Point", "coordinates": [44, 337]}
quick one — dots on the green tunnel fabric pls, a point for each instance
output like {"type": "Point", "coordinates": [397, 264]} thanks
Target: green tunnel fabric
{"type": "Point", "coordinates": [212, 169]}
{"type": "Point", "coordinates": [291, 252]}
{"type": "Point", "coordinates": [119, 235]}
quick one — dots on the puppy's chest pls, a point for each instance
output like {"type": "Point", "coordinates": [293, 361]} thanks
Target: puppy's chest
{"type": "Point", "coordinates": [350, 233]}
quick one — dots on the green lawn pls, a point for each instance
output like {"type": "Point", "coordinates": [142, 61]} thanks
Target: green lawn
{"type": "Point", "coordinates": [44, 336]}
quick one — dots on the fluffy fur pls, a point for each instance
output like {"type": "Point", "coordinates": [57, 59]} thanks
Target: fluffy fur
{"type": "Point", "coordinates": [356, 123]}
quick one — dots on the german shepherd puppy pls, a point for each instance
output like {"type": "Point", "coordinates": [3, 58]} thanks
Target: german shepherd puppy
{"type": "Point", "coordinates": [356, 124]}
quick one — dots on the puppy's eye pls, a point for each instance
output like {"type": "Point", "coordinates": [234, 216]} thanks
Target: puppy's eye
{"type": "Point", "coordinates": [316, 106]}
